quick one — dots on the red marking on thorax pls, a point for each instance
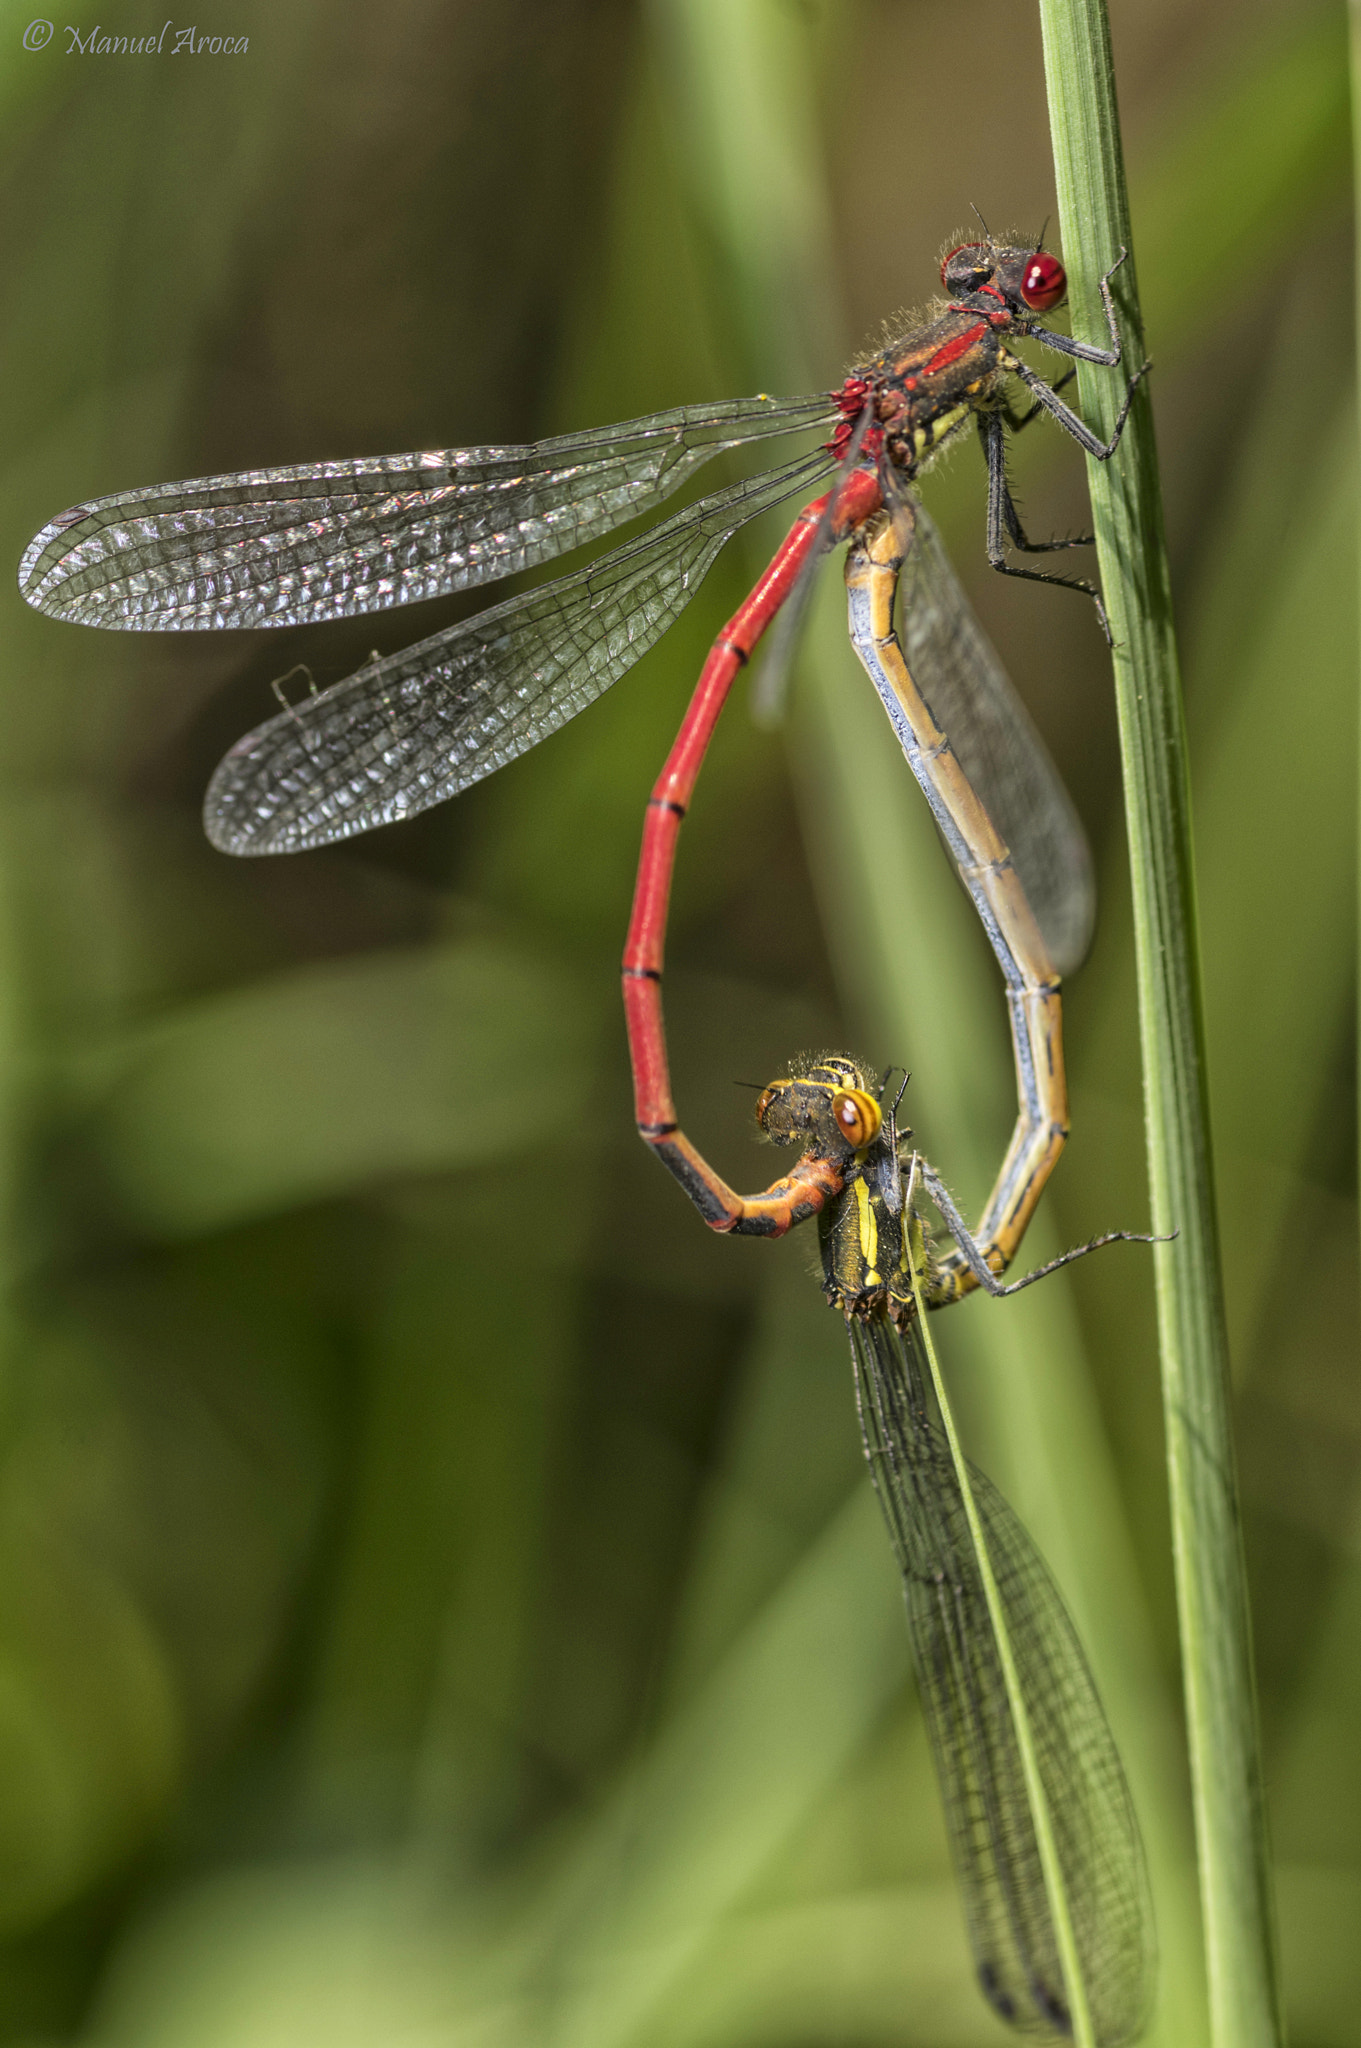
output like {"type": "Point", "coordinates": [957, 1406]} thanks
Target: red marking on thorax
{"type": "Point", "coordinates": [951, 351]}
{"type": "Point", "coordinates": [1001, 318]}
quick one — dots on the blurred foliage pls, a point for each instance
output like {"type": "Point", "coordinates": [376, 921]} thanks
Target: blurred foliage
{"type": "Point", "coordinates": [438, 1592]}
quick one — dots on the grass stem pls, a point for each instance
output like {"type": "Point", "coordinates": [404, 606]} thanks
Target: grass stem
{"type": "Point", "coordinates": [1216, 1643]}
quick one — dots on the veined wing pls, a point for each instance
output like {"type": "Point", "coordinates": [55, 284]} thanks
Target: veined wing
{"type": "Point", "coordinates": [280, 547]}
{"type": "Point", "coordinates": [974, 702]}
{"type": "Point", "coordinates": [972, 1732]}
{"type": "Point", "coordinates": [415, 727]}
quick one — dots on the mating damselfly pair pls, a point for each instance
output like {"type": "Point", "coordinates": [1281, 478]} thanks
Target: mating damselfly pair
{"type": "Point", "coordinates": [314, 542]}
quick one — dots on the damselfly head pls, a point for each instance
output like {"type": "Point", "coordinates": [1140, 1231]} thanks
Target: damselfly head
{"type": "Point", "coordinates": [1030, 280]}
{"type": "Point", "coordinates": [828, 1105]}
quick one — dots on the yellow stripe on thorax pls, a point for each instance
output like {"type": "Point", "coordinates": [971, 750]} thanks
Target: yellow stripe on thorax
{"type": "Point", "coordinates": [869, 1234]}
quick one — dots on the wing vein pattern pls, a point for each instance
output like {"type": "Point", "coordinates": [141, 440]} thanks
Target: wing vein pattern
{"type": "Point", "coordinates": [972, 1732]}
{"type": "Point", "coordinates": [414, 727]}
{"type": "Point", "coordinates": [284, 547]}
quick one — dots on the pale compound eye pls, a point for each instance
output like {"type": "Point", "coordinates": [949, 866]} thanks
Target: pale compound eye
{"type": "Point", "coordinates": [856, 1117]}
{"type": "Point", "coordinates": [766, 1101]}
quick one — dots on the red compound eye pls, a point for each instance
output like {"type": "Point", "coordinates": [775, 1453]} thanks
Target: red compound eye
{"type": "Point", "coordinates": [1043, 282]}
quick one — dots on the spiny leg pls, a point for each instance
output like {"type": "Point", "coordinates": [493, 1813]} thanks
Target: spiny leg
{"type": "Point", "coordinates": [980, 1258]}
{"type": "Point", "coordinates": [1004, 524]}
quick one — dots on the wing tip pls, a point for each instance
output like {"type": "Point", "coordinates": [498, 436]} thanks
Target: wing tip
{"type": "Point", "coordinates": [256, 838]}
{"type": "Point", "coordinates": [31, 562]}
{"type": "Point", "coordinates": [239, 819]}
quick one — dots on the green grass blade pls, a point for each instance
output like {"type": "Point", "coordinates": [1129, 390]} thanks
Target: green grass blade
{"type": "Point", "coordinates": [1211, 1590]}
{"type": "Point", "coordinates": [1354, 24]}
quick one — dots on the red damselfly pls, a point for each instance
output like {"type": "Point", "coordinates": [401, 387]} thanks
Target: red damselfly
{"type": "Point", "coordinates": [314, 542]}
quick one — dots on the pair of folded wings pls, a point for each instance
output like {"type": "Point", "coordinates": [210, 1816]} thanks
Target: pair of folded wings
{"type": "Point", "coordinates": [297, 545]}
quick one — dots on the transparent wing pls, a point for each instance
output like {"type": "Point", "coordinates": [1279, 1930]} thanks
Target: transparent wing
{"type": "Point", "coordinates": [413, 728]}
{"type": "Point", "coordinates": [972, 699]}
{"type": "Point", "coordinates": [972, 1733]}
{"type": "Point", "coordinates": [280, 547]}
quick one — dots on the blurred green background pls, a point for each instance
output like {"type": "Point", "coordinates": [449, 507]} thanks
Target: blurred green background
{"type": "Point", "coordinates": [439, 1596]}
